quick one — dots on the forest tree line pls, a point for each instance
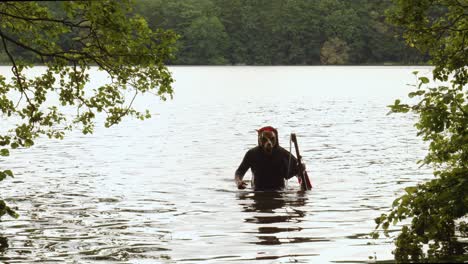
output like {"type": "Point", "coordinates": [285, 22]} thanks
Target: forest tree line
{"type": "Point", "coordinates": [280, 32]}
{"type": "Point", "coordinates": [277, 32]}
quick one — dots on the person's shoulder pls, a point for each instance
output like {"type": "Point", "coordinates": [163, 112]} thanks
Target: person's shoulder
{"type": "Point", "coordinates": [254, 150]}
{"type": "Point", "coordinates": [283, 151]}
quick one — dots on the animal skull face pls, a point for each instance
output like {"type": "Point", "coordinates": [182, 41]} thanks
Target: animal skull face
{"type": "Point", "coordinates": [267, 140]}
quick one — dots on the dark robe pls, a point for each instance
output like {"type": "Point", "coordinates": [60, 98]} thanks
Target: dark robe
{"type": "Point", "coordinates": [269, 170]}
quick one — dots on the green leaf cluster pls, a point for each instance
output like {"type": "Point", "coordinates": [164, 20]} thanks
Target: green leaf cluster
{"type": "Point", "coordinates": [437, 208]}
{"type": "Point", "coordinates": [69, 38]}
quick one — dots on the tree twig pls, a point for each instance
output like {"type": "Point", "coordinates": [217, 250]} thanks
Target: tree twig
{"type": "Point", "coordinates": [16, 72]}
{"type": "Point", "coordinates": [128, 108]}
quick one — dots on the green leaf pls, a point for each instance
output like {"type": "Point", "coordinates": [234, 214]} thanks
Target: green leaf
{"type": "Point", "coordinates": [385, 225]}
{"type": "Point", "coordinates": [410, 190]}
{"type": "Point", "coordinates": [4, 152]}
{"type": "Point", "coordinates": [8, 173]}
{"type": "Point", "coordinates": [28, 143]}
{"type": "Point", "coordinates": [417, 93]}
{"type": "Point", "coordinates": [424, 79]}
{"type": "Point", "coordinates": [12, 213]}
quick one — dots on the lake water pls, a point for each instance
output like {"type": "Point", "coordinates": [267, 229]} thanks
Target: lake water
{"type": "Point", "coordinates": [162, 190]}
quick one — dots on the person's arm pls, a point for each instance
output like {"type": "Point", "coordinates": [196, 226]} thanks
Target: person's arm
{"type": "Point", "coordinates": [240, 172]}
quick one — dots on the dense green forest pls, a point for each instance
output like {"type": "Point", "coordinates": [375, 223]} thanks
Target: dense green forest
{"type": "Point", "coordinates": [277, 32]}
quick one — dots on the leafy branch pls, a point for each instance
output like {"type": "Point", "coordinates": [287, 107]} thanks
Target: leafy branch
{"type": "Point", "coordinates": [102, 33]}
{"type": "Point", "coordinates": [437, 207]}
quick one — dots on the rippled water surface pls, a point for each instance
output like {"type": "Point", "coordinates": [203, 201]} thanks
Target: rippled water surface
{"type": "Point", "coordinates": [161, 191]}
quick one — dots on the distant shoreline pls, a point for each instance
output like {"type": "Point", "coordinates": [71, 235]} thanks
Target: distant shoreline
{"type": "Point", "coordinates": [276, 65]}
{"type": "Point", "coordinates": [312, 65]}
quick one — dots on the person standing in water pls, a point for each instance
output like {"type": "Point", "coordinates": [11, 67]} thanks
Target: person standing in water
{"type": "Point", "coordinates": [270, 164]}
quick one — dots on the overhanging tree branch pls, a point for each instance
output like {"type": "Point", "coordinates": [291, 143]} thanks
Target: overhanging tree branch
{"type": "Point", "coordinates": [26, 47]}
{"type": "Point", "coordinates": [42, 19]}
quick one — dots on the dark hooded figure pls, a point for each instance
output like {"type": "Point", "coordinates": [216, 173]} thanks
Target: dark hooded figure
{"type": "Point", "coordinates": [270, 164]}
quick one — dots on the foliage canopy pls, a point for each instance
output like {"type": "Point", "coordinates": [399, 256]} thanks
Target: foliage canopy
{"type": "Point", "coordinates": [68, 38]}
{"type": "Point", "coordinates": [437, 208]}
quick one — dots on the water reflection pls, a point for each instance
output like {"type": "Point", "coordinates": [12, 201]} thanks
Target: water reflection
{"type": "Point", "coordinates": [269, 202]}
{"type": "Point", "coordinates": [275, 213]}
